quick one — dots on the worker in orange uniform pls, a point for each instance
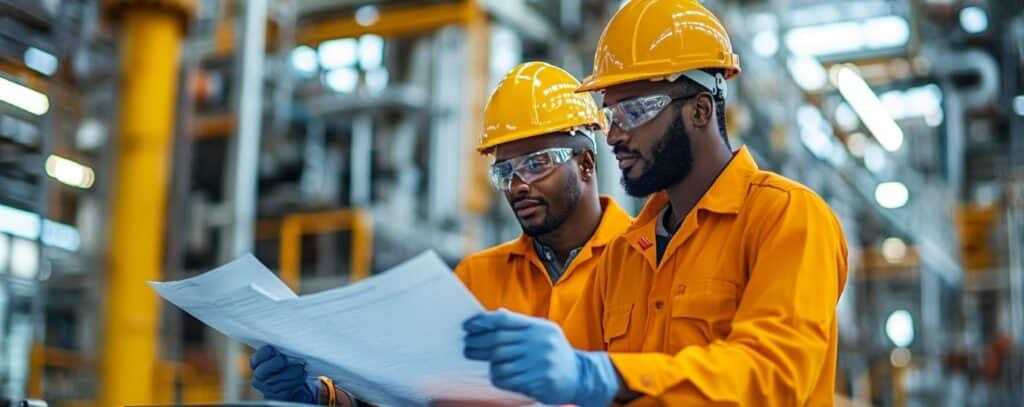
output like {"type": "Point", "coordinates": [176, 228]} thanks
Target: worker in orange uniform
{"type": "Point", "coordinates": [723, 291]}
{"type": "Point", "coordinates": [541, 134]}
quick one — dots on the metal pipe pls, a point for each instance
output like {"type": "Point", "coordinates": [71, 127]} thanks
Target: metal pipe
{"type": "Point", "coordinates": [360, 160]}
{"type": "Point", "coordinates": [244, 158]}
{"type": "Point", "coordinates": [150, 50]}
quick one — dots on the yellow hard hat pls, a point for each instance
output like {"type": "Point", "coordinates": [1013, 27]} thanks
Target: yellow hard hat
{"type": "Point", "coordinates": [658, 39]}
{"type": "Point", "coordinates": [534, 99]}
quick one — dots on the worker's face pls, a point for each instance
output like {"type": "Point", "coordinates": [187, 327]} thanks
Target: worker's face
{"type": "Point", "coordinates": [544, 204]}
{"type": "Point", "coordinates": [656, 154]}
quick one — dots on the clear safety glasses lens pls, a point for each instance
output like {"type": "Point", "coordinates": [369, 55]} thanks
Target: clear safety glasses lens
{"type": "Point", "coordinates": [530, 168]}
{"type": "Point", "coordinates": [633, 113]}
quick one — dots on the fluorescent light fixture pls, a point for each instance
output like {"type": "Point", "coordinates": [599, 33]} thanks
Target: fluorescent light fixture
{"type": "Point", "coordinates": [816, 134]}
{"type": "Point", "coordinates": [864, 101]}
{"type": "Point", "coordinates": [40, 61]}
{"type": "Point", "coordinates": [342, 80]}
{"type": "Point", "coordinates": [19, 223]}
{"type": "Point", "coordinates": [849, 36]}
{"type": "Point", "coordinates": [24, 224]}
{"type": "Point", "coordinates": [825, 39]}
{"type": "Point", "coordinates": [1018, 105]}
{"type": "Point", "coordinates": [899, 327]}
{"type": "Point", "coordinates": [892, 195]}
{"type": "Point", "coordinates": [371, 51]}
{"type": "Point", "coordinates": [766, 43]}
{"type": "Point", "coordinates": [69, 172]}
{"type": "Point", "coordinates": [885, 32]}
{"type": "Point", "coordinates": [922, 101]}
{"type": "Point", "coordinates": [367, 15]}
{"type": "Point", "coordinates": [339, 53]}
{"type": "Point", "coordinates": [60, 235]}
{"type": "Point", "coordinates": [303, 59]}
{"type": "Point", "coordinates": [23, 97]}
{"type": "Point", "coordinates": [894, 249]}
{"type": "Point", "coordinates": [807, 72]}
{"type": "Point", "coordinates": [376, 80]}
{"type": "Point", "coordinates": [24, 258]}
{"type": "Point", "coordinates": [974, 19]}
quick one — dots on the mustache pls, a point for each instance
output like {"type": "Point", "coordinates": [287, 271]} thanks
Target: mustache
{"type": "Point", "coordinates": [622, 149]}
{"type": "Point", "coordinates": [538, 200]}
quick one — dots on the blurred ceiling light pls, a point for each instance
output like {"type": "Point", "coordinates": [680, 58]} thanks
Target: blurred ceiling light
{"type": "Point", "coordinates": [816, 135]}
{"type": "Point", "coordinates": [371, 52]}
{"type": "Point", "coordinates": [24, 98]}
{"type": "Point", "coordinates": [339, 53]}
{"type": "Point", "coordinates": [24, 224]}
{"type": "Point", "coordinates": [900, 357]}
{"type": "Point", "coordinates": [864, 101]}
{"type": "Point", "coordinates": [90, 135]}
{"type": "Point", "coordinates": [376, 80]}
{"type": "Point", "coordinates": [849, 36]}
{"type": "Point", "coordinates": [303, 59]}
{"type": "Point", "coordinates": [974, 19]}
{"type": "Point", "coordinates": [885, 32]}
{"type": "Point", "coordinates": [856, 142]}
{"type": "Point", "coordinates": [20, 223]}
{"type": "Point", "coordinates": [922, 101]}
{"type": "Point", "coordinates": [899, 327]}
{"type": "Point", "coordinates": [24, 258]}
{"type": "Point", "coordinates": [846, 118]}
{"type": "Point", "coordinates": [825, 39]}
{"type": "Point", "coordinates": [892, 195]}
{"type": "Point", "coordinates": [69, 172]}
{"type": "Point", "coordinates": [40, 61]}
{"type": "Point", "coordinates": [894, 249]}
{"type": "Point", "coordinates": [807, 72]}
{"type": "Point", "coordinates": [1018, 105]}
{"type": "Point", "coordinates": [367, 15]}
{"type": "Point", "coordinates": [766, 43]}
{"type": "Point", "coordinates": [342, 80]}
{"type": "Point", "coordinates": [874, 158]}
{"type": "Point", "coordinates": [60, 235]}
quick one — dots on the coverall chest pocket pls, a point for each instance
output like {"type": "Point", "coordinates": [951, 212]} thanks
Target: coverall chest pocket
{"type": "Point", "coordinates": [702, 313]}
{"type": "Point", "coordinates": [616, 325]}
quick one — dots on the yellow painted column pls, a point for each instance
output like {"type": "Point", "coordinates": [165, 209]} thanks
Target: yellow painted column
{"type": "Point", "coordinates": [150, 43]}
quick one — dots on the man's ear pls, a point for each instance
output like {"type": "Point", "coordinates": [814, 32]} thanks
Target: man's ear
{"type": "Point", "coordinates": [703, 111]}
{"type": "Point", "coordinates": [587, 164]}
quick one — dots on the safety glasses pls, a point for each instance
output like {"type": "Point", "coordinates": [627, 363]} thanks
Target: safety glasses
{"type": "Point", "coordinates": [633, 113]}
{"type": "Point", "coordinates": [530, 167]}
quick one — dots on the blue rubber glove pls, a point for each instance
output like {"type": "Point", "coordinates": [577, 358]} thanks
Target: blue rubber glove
{"type": "Point", "coordinates": [531, 356]}
{"type": "Point", "coordinates": [282, 379]}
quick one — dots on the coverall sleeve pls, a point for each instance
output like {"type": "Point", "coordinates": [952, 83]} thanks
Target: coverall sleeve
{"type": "Point", "coordinates": [782, 328]}
{"type": "Point", "coordinates": [462, 272]}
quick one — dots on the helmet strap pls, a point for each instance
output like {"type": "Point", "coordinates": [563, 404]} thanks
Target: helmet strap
{"type": "Point", "coordinates": [713, 83]}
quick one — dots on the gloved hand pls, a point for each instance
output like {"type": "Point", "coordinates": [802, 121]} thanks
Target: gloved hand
{"type": "Point", "coordinates": [283, 379]}
{"type": "Point", "coordinates": [531, 356]}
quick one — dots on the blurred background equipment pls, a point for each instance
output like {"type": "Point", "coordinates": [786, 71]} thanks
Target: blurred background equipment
{"type": "Point", "coordinates": [145, 140]}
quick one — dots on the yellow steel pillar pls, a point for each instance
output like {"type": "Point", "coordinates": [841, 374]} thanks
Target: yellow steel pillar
{"type": "Point", "coordinates": [151, 34]}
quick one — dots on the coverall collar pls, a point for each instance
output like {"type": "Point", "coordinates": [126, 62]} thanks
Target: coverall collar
{"type": "Point", "coordinates": [605, 232]}
{"type": "Point", "coordinates": [726, 194]}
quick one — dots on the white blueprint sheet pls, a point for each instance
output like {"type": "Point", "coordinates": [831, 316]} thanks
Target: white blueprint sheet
{"type": "Point", "coordinates": [393, 339]}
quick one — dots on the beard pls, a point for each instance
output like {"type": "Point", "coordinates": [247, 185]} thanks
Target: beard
{"type": "Point", "coordinates": [554, 220]}
{"type": "Point", "coordinates": [672, 161]}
